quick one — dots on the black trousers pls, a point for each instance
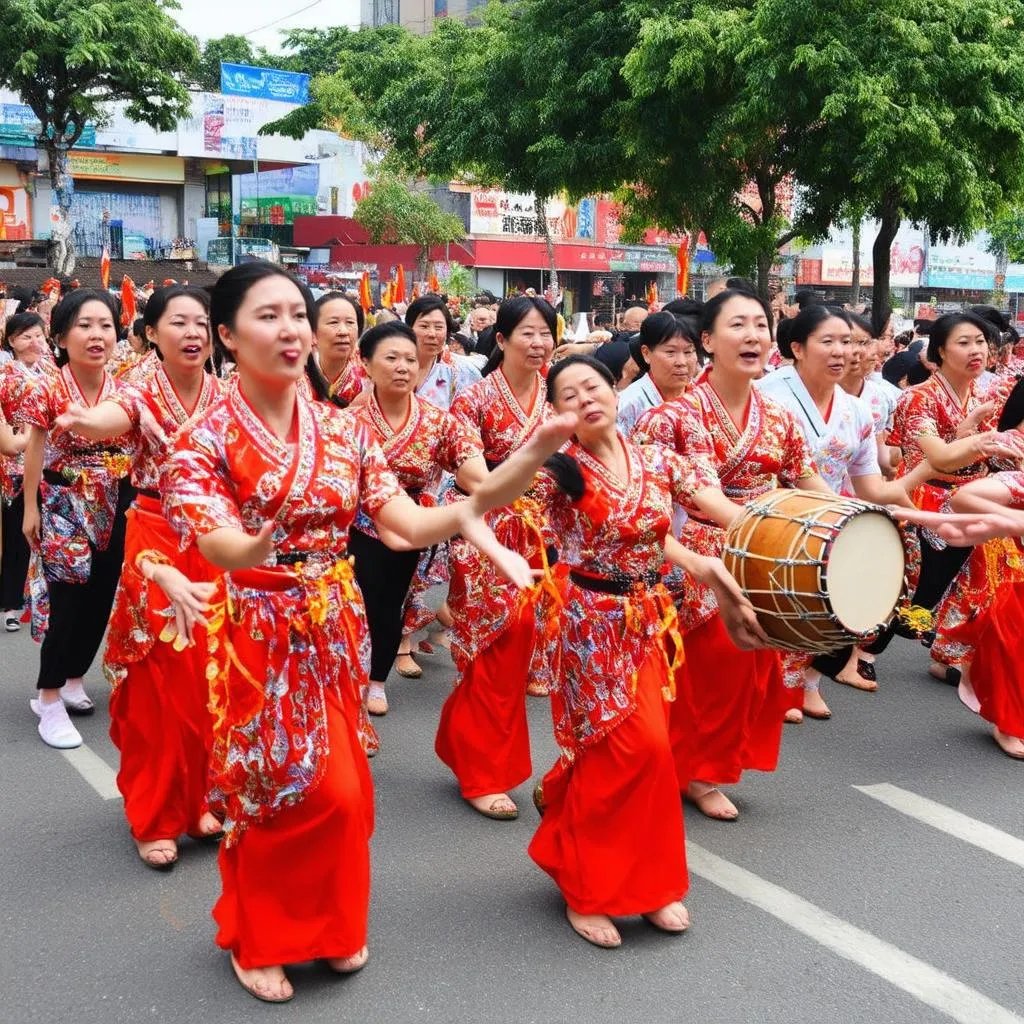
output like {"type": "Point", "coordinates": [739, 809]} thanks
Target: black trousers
{"type": "Point", "coordinates": [15, 556]}
{"type": "Point", "coordinates": [383, 576]}
{"type": "Point", "coordinates": [938, 570]}
{"type": "Point", "coordinates": [79, 612]}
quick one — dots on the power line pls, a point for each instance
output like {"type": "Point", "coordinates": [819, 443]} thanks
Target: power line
{"type": "Point", "coordinates": [277, 21]}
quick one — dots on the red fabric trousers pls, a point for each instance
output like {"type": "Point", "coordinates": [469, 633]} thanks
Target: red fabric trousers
{"type": "Point", "coordinates": [160, 724]}
{"type": "Point", "coordinates": [996, 666]}
{"type": "Point", "coordinates": [298, 886]}
{"type": "Point", "coordinates": [612, 832]}
{"type": "Point", "coordinates": [483, 734]}
{"type": "Point", "coordinates": [159, 720]}
{"type": "Point", "coordinates": [728, 716]}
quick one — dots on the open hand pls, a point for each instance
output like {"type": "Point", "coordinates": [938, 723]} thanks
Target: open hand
{"type": "Point", "coordinates": [189, 600]}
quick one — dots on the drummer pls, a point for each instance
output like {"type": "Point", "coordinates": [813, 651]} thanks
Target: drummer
{"type": "Point", "coordinates": [840, 432]}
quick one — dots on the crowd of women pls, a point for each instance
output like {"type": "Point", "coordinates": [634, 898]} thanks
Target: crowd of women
{"type": "Point", "coordinates": [254, 496]}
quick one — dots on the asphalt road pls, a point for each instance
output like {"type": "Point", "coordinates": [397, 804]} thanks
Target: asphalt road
{"type": "Point", "coordinates": [823, 903]}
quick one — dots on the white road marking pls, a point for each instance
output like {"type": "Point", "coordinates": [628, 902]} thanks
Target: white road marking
{"type": "Point", "coordinates": [945, 819]}
{"type": "Point", "coordinates": [94, 770]}
{"type": "Point", "coordinates": [925, 983]}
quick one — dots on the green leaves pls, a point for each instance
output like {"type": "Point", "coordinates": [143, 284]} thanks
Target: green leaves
{"type": "Point", "coordinates": [393, 214]}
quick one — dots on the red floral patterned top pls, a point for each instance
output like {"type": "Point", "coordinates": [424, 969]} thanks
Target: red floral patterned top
{"type": "Point", "coordinates": [91, 470]}
{"type": "Point", "coordinates": [16, 380]}
{"type": "Point", "coordinates": [159, 397]}
{"type": "Point", "coordinates": [297, 627]}
{"type": "Point", "coordinates": [617, 529]}
{"type": "Point", "coordinates": [430, 443]}
{"type": "Point", "coordinates": [350, 382]}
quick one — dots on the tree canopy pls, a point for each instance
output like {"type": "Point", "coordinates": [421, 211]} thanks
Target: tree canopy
{"type": "Point", "coordinates": [68, 59]}
{"type": "Point", "coordinates": [394, 214]}
{"type": "Point", "coordinates": [230, 48]}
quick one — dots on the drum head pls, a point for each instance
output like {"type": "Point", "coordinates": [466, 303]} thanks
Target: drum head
{"type": "Point", "coordinates": [864, 571]}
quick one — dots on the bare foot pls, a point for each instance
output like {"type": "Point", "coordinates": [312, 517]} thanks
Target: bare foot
{"type": "Point", "coordinates": [674, 918]}
{"type": "Point", "coordinates": [851, 677]}
{"type": "Point", "coordinates": [711, 801]}
{"type": "Point", "coordinates": [965, 691]}
{"type": "Point", "coordinates": [350, 964]}
{"type": "Point", "coordinates": [815, 706]}
{"type": "Point", "coordinates": [160, 854]}
{"type": "Point", "coordinates": [597, 929]}
{"type": "Point", "coordinates": [406, 667]}
{"type": "Point", "coordinates": [944, 673]}
{"type": "Point", "coordinates": [1012, 746]}
{"type": "Point", "coordinates": [269, 984]}
{"type": "Point", "coordinates": [794, 716]}
{"type": "Point", "coordinates": [499, 806]}
{"type": "Point", "coordinates": [210, 825]}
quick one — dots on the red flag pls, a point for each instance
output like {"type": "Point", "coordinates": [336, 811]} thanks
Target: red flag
{"type": "Point", "coordinates": [683, 262]}
{"type": "Point", "coordinates": [400, 285]}
{"type": "Point", "coordinates": [128, 308]}
{"type": "Point", "coordinates": [652, 294]}
{"type": "Point", "coordinates": [105, 268]}
{"type": "Point", "coordinates": [365, 298]}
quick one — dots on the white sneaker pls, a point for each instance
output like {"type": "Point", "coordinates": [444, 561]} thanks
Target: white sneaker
{"type": "Point", "coordinates": [12, 621]}
{"type": "Point", "coordinates": [55, 726]}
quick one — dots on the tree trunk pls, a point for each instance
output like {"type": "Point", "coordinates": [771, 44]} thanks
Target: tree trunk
{"type": "Point", "coordinates": [881, 251]}
{"type": "Point", "coordinates": [62, 244]}
{"type": "Point", "coordinates": [541, 204]}
{"type": "Point", "coordinates": [765, 260]}
{"type": "Point", "coordinates": [423, 263]}
{"type": "Point", "coordinates": [855, 276]}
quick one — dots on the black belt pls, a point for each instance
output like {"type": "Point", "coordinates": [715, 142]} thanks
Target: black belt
{"type": "Point", "coordinates": [145, 492]}
{"type": "Point", "coordinates": [55, 479]}
{"type": "Point", "coordinates": [620, 585]}
{"type": "Point", "coordinates": [298, 557]}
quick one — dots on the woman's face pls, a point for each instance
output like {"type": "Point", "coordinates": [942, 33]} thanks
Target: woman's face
{"type": "Point", "coordinates": [673, 363]}
{"type": "Point", "coordinates": [862, 353]}
{"type": "Point", "coordinates": [965, 352]}
{"type": "Point", "coordinates": [530, 344]}
{"type": "Point", "coordinates": [431, 330]}
{"type": "Point", "coordinates": [272, 336]}
{"type": "Point", "coordinates": [29, 346]}
{"type": "Point", "coordinates": [582, 390]}
{"type": "Point", "coordinates": [182, 334]}
{"type": "Point", "coordinates": [823, 358]}
{"type": "Point", "coordinates": [92, 336]}
{"type": "Point", "coordinates": [337, 331]}
{"type": "Point", "coordinates": [393, 366]}
{"type": "Point", "coordinates": [739, 339]}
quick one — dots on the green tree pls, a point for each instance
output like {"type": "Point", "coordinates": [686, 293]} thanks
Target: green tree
{"type": "Point", "coordinates": [230, 48]}
{"type": "Point", "coordinates": [1006, 236]}
{"type": "Point", "coordinates": [503, 104]}
{"type": "Point", "coordinates": [911, 109]}
{"type": "Point", "coordinates": [394, 214]}
{"type": "Point", "coordinates": [68, 59]}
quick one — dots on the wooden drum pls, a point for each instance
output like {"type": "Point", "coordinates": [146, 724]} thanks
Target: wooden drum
{"type": "Point", "coordinates": [822, 571]}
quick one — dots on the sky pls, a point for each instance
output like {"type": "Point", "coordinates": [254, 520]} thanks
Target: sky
{"type": "Point", "coordinates": [207, 19]}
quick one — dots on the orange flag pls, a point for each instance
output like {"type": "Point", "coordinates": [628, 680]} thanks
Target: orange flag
{"type": "Point", "coordinates": [683, 262]}
{"type": "Point", "coordinates": [105, 268]}
{"type": "Point", "coordinates": [365, 298]}
{"type": "Point", "coordinates": [51, 288]}
{"type": "Point", "coordinates": [128, 308]}
{"type": "Point", "coordinates": [385, 295]}
{"type": "Point", "coordinates": [435, 285]}
{"type": "Point", "coordinates": [399, 295]}
{"type": "Point", "coordinates": [415, 292]}
{"type": "Point", "coordinates": [652, 294]}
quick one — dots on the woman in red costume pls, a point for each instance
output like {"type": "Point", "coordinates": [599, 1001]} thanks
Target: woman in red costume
{"type": "Point", "coordinates": [933, 419]}
{"type": "Point", "coordinates": [266, 485]}
{"type": "Point", "coordinates": [24, 337]}
{"type": "Point", "coordinates": [611, 835]}
{"type": "Point", "coordinates": [339, 324]}
{"type": "Point", "coordinates": [732, 703]}
{"type": "Point", "coordinates": [158, 706]}
{"type": "Point", "coordinates": [76, 494]}
{"type": "Point", "coordinates": [483, 734]}
{"type": "Point", "coordinates": [420, 442]}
